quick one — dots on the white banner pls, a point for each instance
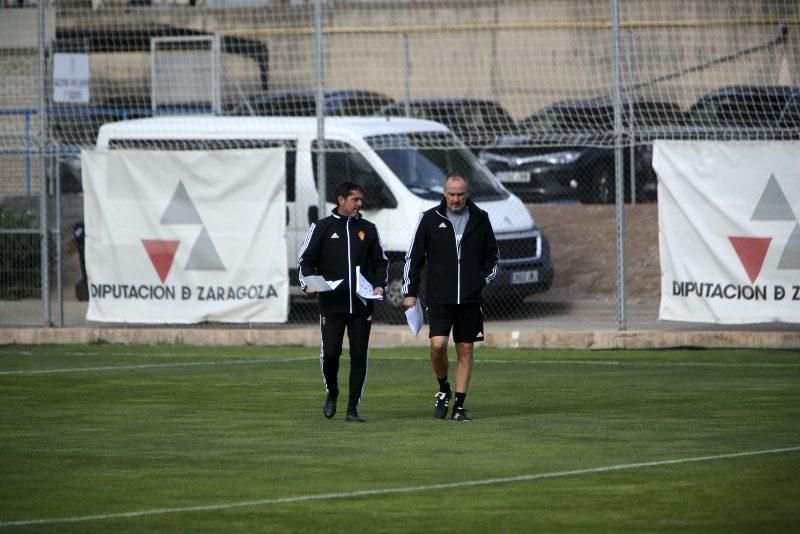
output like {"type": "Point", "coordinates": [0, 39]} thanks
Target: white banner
{"type": "Point", "coordinates": [729, 231]}
{"type": "Point", "coordinates": [186, 236]}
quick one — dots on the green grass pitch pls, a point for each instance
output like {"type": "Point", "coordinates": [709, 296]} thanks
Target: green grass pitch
{"type": "Point", "coordinates": [97, 438]}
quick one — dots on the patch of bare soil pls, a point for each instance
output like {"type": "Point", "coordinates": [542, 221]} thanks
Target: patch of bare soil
{"type": "Point", "coordinates": [583, 246]}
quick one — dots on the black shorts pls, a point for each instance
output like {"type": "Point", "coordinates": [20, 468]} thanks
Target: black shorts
{"type": "Point", "coordinates": [466, 320]}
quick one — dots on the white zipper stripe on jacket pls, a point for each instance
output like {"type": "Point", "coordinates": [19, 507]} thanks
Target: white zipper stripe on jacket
{"type": "Point", "coordinates": [458, 259]}
{"type": "Point", "coordinates": [349, 266]}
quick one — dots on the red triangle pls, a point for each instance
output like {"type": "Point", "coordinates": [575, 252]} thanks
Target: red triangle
{"type": "Point", "coordinates": [161, 253]}
{"type": "Point", "coordinates": [751, 252]}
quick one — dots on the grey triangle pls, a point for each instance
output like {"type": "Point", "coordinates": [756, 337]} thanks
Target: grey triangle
{"type": "Point", "coordinates": [203, 256]}
{"type": "Point", "coordinates": [180, 209]}
{"type": "Point", "coordinates": [773, 205]}
{"type": "Point", "coordinates": [790, 258]}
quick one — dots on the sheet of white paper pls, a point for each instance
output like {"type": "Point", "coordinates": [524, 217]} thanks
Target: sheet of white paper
{"type": "Point", "coordinates": [364, 288]}
{"type": "Point", "coordinates": [414, 317]}
{"type": "Point", "coordinates": [318, 283]}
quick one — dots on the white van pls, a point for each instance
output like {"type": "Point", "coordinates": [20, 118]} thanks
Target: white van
{"type": "Point", "coordinates": [401, 164]}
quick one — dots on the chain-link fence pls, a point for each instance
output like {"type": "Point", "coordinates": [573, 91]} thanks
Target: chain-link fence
{"type": "Point", "coordinates": [552, 103]}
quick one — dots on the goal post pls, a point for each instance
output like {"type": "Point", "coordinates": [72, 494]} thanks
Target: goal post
{"type": "Point", "coordinates": [186, 71]}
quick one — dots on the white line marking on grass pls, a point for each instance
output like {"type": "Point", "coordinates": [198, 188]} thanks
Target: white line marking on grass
{"type": "Point", "coordinates": [604, 363]}
{"type": "Point", "coordinates": [389, 491]}
{"type": "Point", "coordinates": [612, 363]}
{"type": "Point", "coordinates": [150, 366]}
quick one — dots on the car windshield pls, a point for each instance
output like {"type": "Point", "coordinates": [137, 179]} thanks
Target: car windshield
{"type": "Point", "coordinates": [423, 160]}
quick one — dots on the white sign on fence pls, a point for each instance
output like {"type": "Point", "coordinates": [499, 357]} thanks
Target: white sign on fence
{"type": "Point", "coordinates": [729, 231]}
{"type": "Point", "coordinates": [186, 236]}
{"type": "Point", "coordinates": [71, 78]}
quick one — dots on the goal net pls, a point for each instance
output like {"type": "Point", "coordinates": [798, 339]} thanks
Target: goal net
{"type": "Point", "coordinates": [186, 72]}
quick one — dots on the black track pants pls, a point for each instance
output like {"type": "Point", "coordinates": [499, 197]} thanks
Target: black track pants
{"type": "Point", "coordinates": [358, 327]}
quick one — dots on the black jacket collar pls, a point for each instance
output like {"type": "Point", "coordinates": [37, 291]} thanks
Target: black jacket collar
{"type": "Point", "coordinates": [337, 216]}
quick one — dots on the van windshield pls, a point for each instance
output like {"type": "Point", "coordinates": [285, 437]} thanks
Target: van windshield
{"type": "Point", "coordinates": [422, 160]}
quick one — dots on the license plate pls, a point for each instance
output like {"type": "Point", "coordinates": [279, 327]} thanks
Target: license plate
{"type": "Point", "coordinates": [514, 176]}
{"type": "Point", "coordinates": [524, 277]}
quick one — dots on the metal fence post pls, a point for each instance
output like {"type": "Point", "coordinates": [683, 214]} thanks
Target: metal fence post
{"type": "Point", "coordinates": [320, 64]}
{"type": "Point", "coordinates": [43, 185]}
{"type": "Point", "coordinates": [631, 118]}
{"type": "Point", "coordinates": [618, 170]}
{"type": "Point", "coordinates": [57, 233]}
{"type": "Point", "coordinates": [406, 74]}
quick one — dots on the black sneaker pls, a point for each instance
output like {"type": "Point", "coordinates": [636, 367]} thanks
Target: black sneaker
{"type": "Point", "coordinates": [460, 414]}
{"type": "Point", "coordinates": [440, 410]}
{"type": "Point", "coordinates": [329, 410]}
{"type": "Point", "coordinates": [353, 417]}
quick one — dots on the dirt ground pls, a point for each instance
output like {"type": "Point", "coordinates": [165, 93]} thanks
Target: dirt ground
{"type": "Point", "coordinates": [584, 251]}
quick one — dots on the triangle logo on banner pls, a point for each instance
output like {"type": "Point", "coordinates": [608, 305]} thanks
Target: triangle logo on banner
{"type": "Point", "coordinates": [180, 209]}
{"type": "Point", "coordinates": [751, 252]}
{"type": "Point", "coordinates": [162, 253]}
{"type": "Point", "coordinates": [773, 205]}
{"type": "Point", "coordinates": [790, 259]}
{"type": "Point", "coordinates": [204, 256]}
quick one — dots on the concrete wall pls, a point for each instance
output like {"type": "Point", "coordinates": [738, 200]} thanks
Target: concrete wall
{"type": "Point", "coordinates": [523, 54]}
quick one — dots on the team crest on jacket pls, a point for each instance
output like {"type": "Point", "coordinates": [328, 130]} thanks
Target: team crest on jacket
{"type": "Point", "coordinates": [361, 235]}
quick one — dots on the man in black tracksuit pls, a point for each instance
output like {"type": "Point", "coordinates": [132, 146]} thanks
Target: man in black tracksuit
{"type": "Point", "coordinates": [333, 248]}
{"type": "Point", "coordinates": [456, 240]}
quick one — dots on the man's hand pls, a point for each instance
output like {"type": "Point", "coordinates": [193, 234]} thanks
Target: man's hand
{"type": "Point", "coordinates": [310, 292]}
{"type": "Point", "coordinates": [409, 302]}
{"type": "Point", "coordinates": [378, 291]}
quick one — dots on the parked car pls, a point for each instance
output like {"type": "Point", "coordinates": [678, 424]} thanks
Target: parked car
{"type": "Point", "coordinates": [304, 103]}
{"type": "Point", "coordinates": [476, 122]}
{"type": "Point", "coordinates": [565, 152]}
{"type": "Point", "coordinates": [747, 111]}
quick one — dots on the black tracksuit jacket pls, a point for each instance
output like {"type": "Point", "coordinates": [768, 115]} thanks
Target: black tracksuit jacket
{"type": "Point", "coordinates": [456, 274]}
{"type": "Point", "coordinates": [333, 247]}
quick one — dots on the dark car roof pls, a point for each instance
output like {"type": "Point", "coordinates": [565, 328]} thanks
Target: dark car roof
{"type": "Point", "coordinates": [777, 90]}
{"type": "Point", "coordinates": [597, 115]}
{"type": "Point", "coordinates": [304, 103]}
{"type": "Point", "coordinates": [448, 102]}
{"type": "Point", "coordinates": [476, 121]}
{"type": "Point", "coordinates": [312, 95]}
{"type": "Point", "coordinates": [604, 104]}
{"type": "Point", "coordinates": [445, 104]}
{"type": "Point", "coordinates": [743, 106]}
